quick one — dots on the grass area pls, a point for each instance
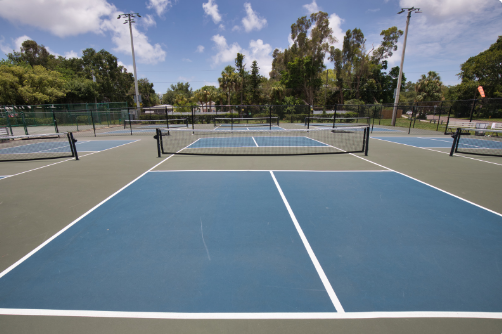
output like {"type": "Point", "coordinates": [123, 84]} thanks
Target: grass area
{"type": "Point", "coordinates": [405, 123]}
{"type": "Point", "coordinates": [482, 119]}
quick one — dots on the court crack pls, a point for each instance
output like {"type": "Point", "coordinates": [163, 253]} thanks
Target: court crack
{"type": "Point", "coordinates": [202, 233]}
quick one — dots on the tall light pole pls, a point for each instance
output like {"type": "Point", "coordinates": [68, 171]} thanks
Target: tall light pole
{"type": "Point", "coordinates": [398, 88]}
{"type": "Point", "coordinates": [130, 20]}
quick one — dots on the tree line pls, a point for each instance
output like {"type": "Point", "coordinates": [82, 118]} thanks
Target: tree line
{"type": "Point", "coordinates": [34, 76]}
{"type": "Point", "coordinates": [354, 74]}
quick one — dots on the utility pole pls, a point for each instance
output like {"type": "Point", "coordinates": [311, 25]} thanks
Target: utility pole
{"type": "Point", "coordinates": [398, 88]}
{"type": "Point", "coordinates": [130, 20]}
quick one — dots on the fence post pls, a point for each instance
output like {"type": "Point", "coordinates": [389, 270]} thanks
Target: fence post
{"type": "Point", "coordinates": [334, 116]}
{"type": "Point", "coordinates": [55, 121]}
{"type": "Point", "coordinates": [439, 118]}
{"type": "Point", "coordinates": [447, 122]}
{"type": "Point", "coordinates": [308, 119]}
{"type": "Point", "coordinates": [130, 123]}
{"type": "Point", "coordinates": [92, 120]}
{"type": "Point", "coordinates": [24, 122]}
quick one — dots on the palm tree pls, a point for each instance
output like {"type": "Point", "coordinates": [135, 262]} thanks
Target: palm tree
{"type": "Point", "coordinates": [428, 87]}
{"type": "Point", "coordinates": [228, 81]}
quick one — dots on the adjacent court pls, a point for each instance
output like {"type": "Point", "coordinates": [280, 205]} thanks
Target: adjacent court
{"type": "Point", "coordinates": [268, 241]}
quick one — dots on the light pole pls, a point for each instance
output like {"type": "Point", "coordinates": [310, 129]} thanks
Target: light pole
{"type": "Point", "coordinates": [130, 19]}
{"type": "Point", "coordinates": [398, 88]}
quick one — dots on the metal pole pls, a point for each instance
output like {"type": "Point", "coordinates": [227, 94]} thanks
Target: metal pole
{"type": "Point", "coordinates": [135, 73]}
{"type": "Point", "coordinates": [398, 88]}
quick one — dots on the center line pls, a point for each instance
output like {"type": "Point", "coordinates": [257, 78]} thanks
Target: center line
{"type": "Point", "coordinates": [317, 265]}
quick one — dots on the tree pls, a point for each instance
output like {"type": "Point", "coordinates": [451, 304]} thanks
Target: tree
{"type": "Point", "coordinates": [428, 87]}
{"type": "Point", "coordinates": [302, 75]}
{"type": "Point", "coordinates": [254, 82]}
{"type": "Point", "coordinates": [182, 88]}
{"type": "Point", "coordinates": [26, 85]}
{"type": "Point", "coordinates": [228, 81]}
{"type": "Point", "coordinates": [33, 54]}
{"type": "Point", "coordinates": [145, 88]}
{"type": "Point", "coordinates": [484, 69]}
{"type": "Point", "coordinates": [241, 69]}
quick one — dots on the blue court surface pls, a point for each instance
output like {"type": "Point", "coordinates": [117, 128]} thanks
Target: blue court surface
{"type": "Point", "coordinates": [251, 128]}
{"type": "Point", "coordinates": [62, 147]}
{"type": "Point", "coordinates": [256, 141]}
{"type": "Point", "coordinates": [424, 142]}
{"type": "Point", "coordinates": [99, 145]}
{"type": "Point", "coordinates": [261, 241]}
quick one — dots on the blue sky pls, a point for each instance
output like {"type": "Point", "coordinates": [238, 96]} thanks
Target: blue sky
{"type": "Point", "coordinates": [179, 40]}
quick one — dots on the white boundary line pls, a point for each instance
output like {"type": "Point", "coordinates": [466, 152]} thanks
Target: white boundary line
{"type": "Point", "coordinates": [3, 273]}
{"type": "Point", "coordinates": [81, 156]}
{"type": "Point", "coordinates": [273, 170]}
{"type": "Point", "coordinates": [317, 265]}
{"type": "Point", "coordinates": [444, 191]}
{"type": "Point", "coordinates": [429, 149]}
{"type": "Point", "coordinates": [255, 142]}
{"type": "Point", "coordinates": [270, 315]}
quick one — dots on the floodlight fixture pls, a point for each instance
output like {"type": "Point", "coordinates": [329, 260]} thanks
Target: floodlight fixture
{"type": "Point", "coordinates": [401, 12]}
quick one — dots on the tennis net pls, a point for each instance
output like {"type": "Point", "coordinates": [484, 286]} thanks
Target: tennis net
{"type": "Point", "coordinates": [34, 147]}
{"type": "Point", "coordinates": [334, 122]}
{"type": "Point", "coordinates": [477, 141]}
{"type": "Point", "coordinates": [246, 122]}
{"type": "Point", "coordinates": [263, 142]}
{"type": "Point", "coordinates": [154, 124]}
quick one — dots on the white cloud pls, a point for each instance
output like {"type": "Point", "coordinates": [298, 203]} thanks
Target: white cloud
{"type": "Point", "coordinates": [385, 1]}
{"type": "Point", "coordinates": [200, 49]}
{"type": "Point", "coordinates": [147, 21]}
{"type": "Point", "coordinates": [144, 51]}
{"type": "Point", "coordinates": [236, 28]}
{"type": "Point", "coordinates": [129, 68]}
{"type": "Point", "coordinates": [186, 60]}
{"type": "Point", "coordinates": [257, 50]}
{"type": "Point", "coordinates": [73, 17]}
{"type": "Point", "coordinates": [62, 18]}
{"type": "Point", "coordinates": [221, 26]}
{"type": "Point", "coordinates": [335, 23]}
{"type": "Point", "coordinates": [448, 8]}
{"type": "Point", "coordinates": [211, 9]}
{"type": "Point", "coordinates": [71, 54]}
{"type": "Point", "coordinates": [160, 6]}
{"type": "Point", "coordinates": [252, 20]}
{"type": "Point", "coordinates": [18, 42]}
{"type": "Point", "coordinates": [290, 40]}
{"type": "Point", "coordinates": [312, 7]}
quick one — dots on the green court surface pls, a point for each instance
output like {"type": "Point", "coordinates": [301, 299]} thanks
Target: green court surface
{"type": "Point", "coordinates": [351, 208]}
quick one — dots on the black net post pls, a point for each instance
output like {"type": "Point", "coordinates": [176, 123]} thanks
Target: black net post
{"type": "Point", "coordinates": [411, 118]}
{"type": "Point", "coordinates": [158, 137]}
{"type": "Point", "coordinates": [366, 140]}
{"type": "Point", "coordinates": [447, 122]}
{"type": "Point", "coordinates": [72, 145]}
{"type": "Point", "coordinates": [93, 125]}
{"type": "Point", "coordinates": [130, 123]}
{"type": "Point", "coordinates": [455, 137]}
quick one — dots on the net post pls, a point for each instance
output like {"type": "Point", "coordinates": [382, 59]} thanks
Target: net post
{"type": "Point", "coordinates": [455, 142]}
{"type": "Point", "coordinates": [93, 126]}
{"type": "Point", "coordinates": [158, 137]}
{"type": "Point", "coordinates": [367, 140]}
{"type": "Point", "coordinates": [447, 121]}
{"type": "Point", "coordinates": [8, 121]}
{"type": "Point", "coordinates": [72, 145]}
{"type": "Point", "coordinates": [373, 123]}
{"type": "Point", "coordinates": [334, 116]}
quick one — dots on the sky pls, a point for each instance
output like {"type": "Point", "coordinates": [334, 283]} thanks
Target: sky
{"type": "Point", "coordinates": [181, 40]}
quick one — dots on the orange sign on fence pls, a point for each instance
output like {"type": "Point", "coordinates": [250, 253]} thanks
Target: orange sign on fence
{"type": "Point", "coordinates": [481, 91]}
